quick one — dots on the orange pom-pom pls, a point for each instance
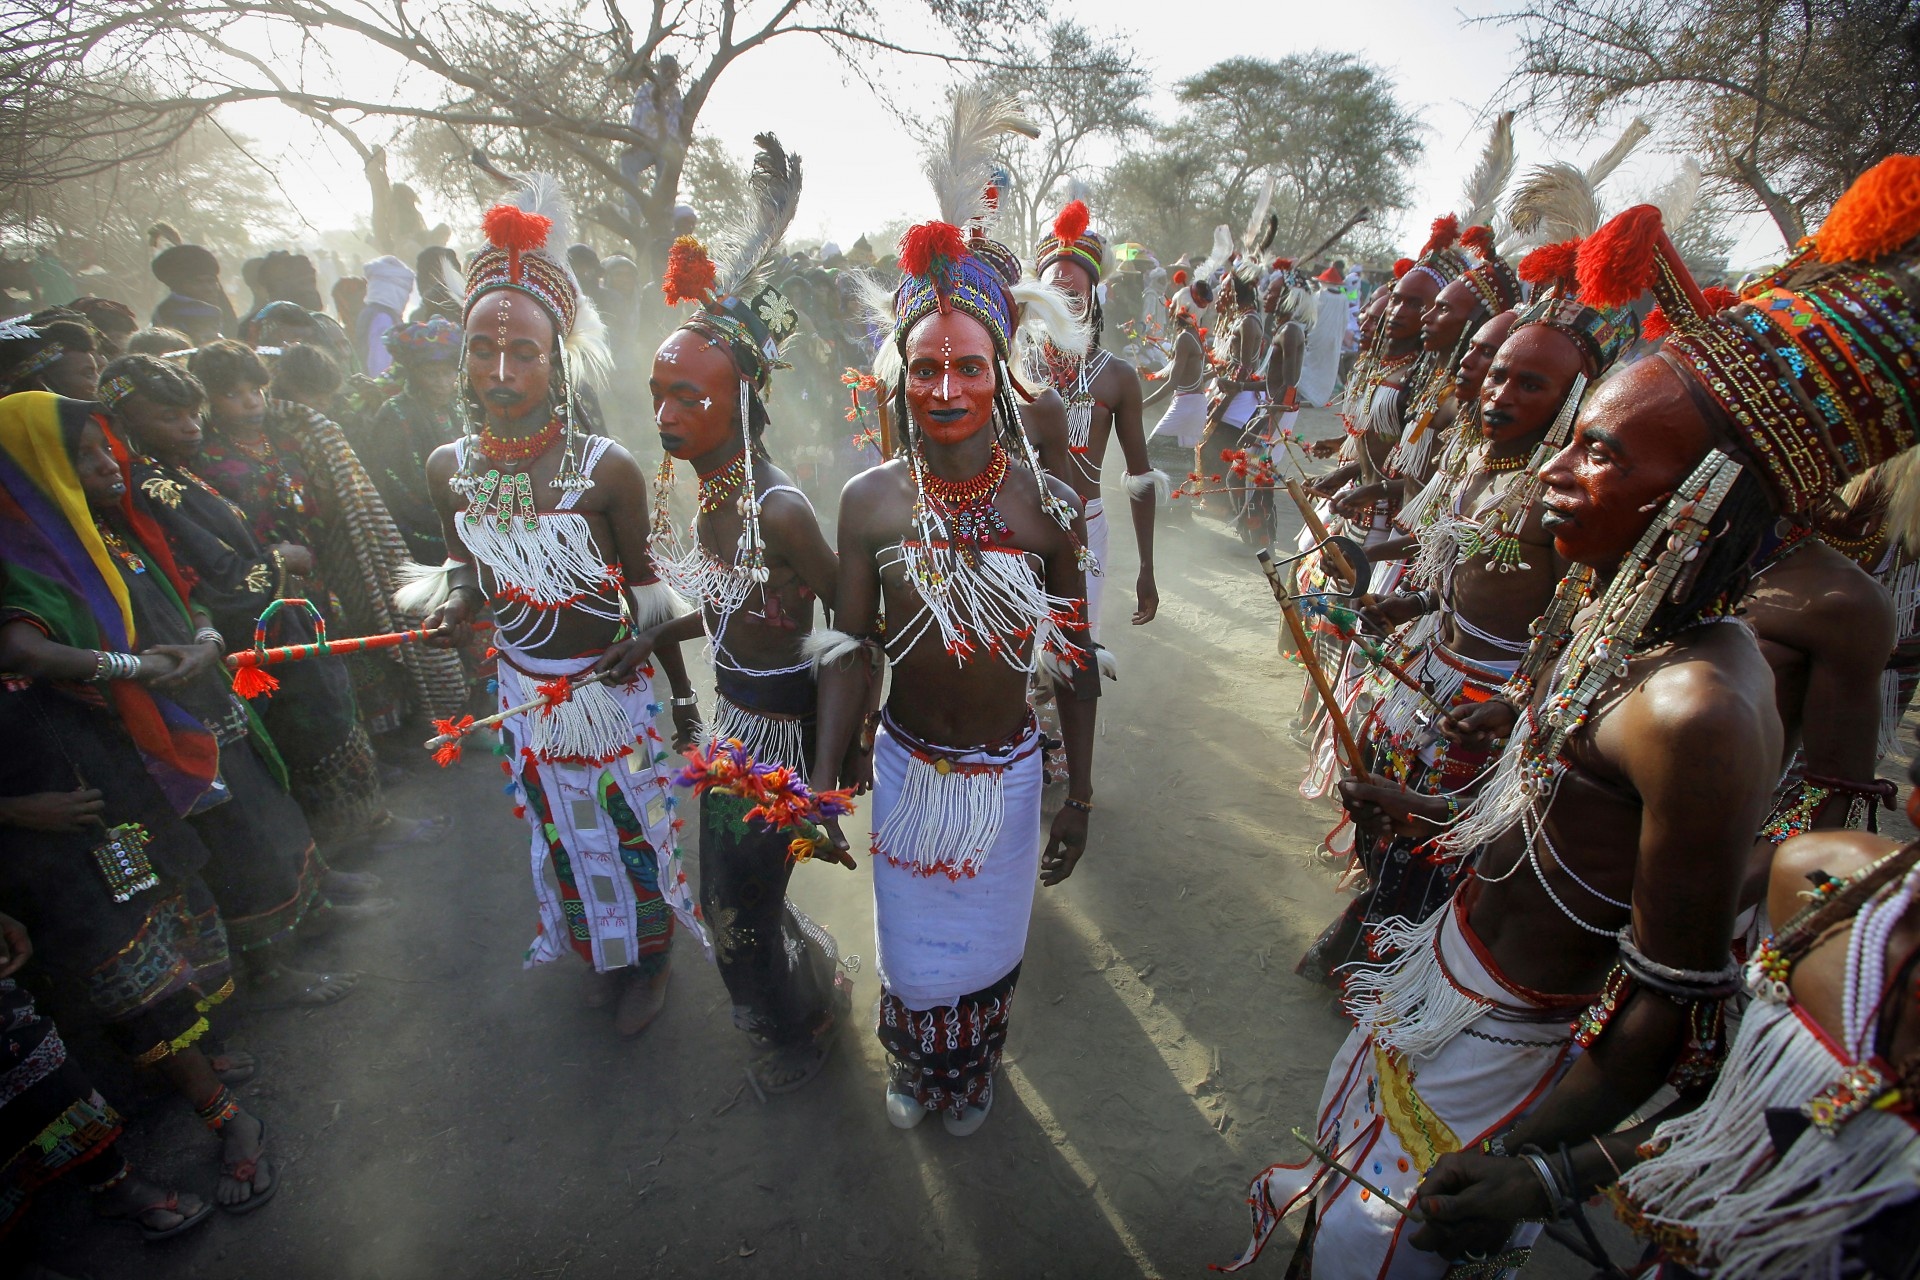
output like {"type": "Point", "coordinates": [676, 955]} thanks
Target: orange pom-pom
{"type": "Point", "coordinates": [1283, 264]}
{"type": "Point", "coordinates": [1401, 266]}
{"type": "Point", "coordinates": [1655, 326]}
{"type": "Point", "coordinates": [1617, 261]}
{"type": "Point", "coordinates": [928, 246]}
{"type": "Point", "coordinates": [1446, 230]}
{"type": "Point", "coordinates": [1479, 238]}
{"type": "Point", "coordinates": [1072, 222]}
{"type": "Point", "coordinates": [1551, 263]}
{"type": "Point", "coordinates": [690, 272]}
{"type": "Point", "coordinates": [1719, 298]}
{"type": "Point", "coordinates": [1879, 213]}
{"type": "Point", "coordinates": [251, 682]}
{"type": "Point", "coordinates": [1179, 277]}
{"type": "Point", "coordinates": [510, 227]}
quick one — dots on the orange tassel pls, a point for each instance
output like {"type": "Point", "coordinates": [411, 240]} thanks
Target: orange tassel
{"type": "Point", "coordinates": [251, 682]}
{"type": "Point", "coordinates": [690, 273]}
{"type": "Point", "coordinates": [510, 227]}
{"type": "Point", "coordinates": [1879, 213]}
{"type": "Point", "coordinates": [1551, 263]}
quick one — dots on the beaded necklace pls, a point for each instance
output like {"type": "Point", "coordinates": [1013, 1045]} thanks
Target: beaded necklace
{"type": "Point", "coordinates": [121, 551]}
{"type": "Point", "coordinates": [717, 486]}
{"type": "Point", "coordinates": [1587, 660]}
{"type": "Point", "coordinates": [288, 493]}
{"type": "Point", "coordinates": [518, 449]}
{"type": "Point", "coordinates": [495, 496]}
{"type": "Point", "coordinates": [966, 506]}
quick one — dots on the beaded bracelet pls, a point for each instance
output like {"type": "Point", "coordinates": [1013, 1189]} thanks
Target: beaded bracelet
{"type": "Point", "coordinates": [1083, 806]}
{"type": "Point", "coordinates": [114, 666]}
{"type": "Point", "coordinates": [691, 700]}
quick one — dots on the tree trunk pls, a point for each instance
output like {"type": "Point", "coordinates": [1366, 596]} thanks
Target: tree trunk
{"type": "Point", "coordinates": [381, 191]}
{"type": "Point", "coordinates": [1785, 215]}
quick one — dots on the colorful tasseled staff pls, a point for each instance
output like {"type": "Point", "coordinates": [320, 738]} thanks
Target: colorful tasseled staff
{"type": "Point", "coordinates": [250, 677]}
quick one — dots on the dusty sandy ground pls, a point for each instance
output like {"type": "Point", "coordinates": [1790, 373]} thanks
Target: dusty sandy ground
{"type": "Point", "coordinates": [458, 1116]}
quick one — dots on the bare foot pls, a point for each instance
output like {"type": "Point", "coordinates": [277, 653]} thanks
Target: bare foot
{"type": "Point", "coordinates": [233, 1066]}
{"type": "Point", "coordinates": [247, 1181]}
{"type": "Point", "coordinates": [294, 987]}
{"type": "Point", "coordinates": [641, 1003]}
{"type": "Point", "coordinates": [160, 1214]}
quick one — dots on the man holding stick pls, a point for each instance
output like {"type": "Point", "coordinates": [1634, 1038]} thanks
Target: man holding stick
{"type": "Point", "coordinates": [548, 524]}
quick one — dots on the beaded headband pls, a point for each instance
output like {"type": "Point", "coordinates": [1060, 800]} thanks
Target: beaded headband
{"type": "Point", "coordinates": [943, 271]}
{"type": "Point", "coordinates": [1601, 333]}
{"type": "Point", "coordinates": [1070, 240]}
{"type": "Point", "coordinates": [516, 257]}
{"type": "Point", "coordinates": [114, 390]}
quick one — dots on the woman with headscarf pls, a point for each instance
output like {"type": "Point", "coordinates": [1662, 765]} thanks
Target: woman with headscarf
{"type": "Point", "coordinates": [297, 480]}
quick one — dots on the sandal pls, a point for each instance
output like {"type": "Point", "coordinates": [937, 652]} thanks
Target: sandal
{"type": "Point", "coordinates": [244, 1172]}
{"type": "Point", "coordinates": [802, 1060]}
{"type": "Point", "coordinates": [171, 1204]}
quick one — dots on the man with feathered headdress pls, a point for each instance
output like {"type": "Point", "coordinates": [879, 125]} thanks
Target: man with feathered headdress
{"type": "Point", "coordinates": [547, 524]}
{"type": "Point", "coordinates": [963, 566]}
{"type": "Point", "coordinates": [753, 564]}
{"type": "Point", "coordinates": [1102, 394]}
{"type": "Point", "coordinates": [1612, 839]}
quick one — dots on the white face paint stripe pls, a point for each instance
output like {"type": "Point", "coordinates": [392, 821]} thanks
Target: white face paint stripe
{"type": "Point", "coordinates": [503, 366]}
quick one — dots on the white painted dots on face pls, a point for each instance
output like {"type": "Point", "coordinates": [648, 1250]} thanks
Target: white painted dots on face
{"type": "Point", "coordinates": [500, 318]}
{"type": "Point", "coordinates": [946, 367]}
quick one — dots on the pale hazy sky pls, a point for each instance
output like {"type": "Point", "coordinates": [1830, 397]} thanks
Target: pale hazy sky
{"type": "Point", "coordinates": [863, 170]}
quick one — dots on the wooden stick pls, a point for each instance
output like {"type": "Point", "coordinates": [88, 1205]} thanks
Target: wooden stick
{"type": "Point", "coordinates": [1330, 1161]}
{"type": "Point", "coordinates": [1318, 529]}
{"type": "Point", "coordinates": [1342, 733]}
{"type": "Point", "coordinates": [441, 740]}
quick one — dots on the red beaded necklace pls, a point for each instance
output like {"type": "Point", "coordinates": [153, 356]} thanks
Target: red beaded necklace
{"type": "Point", "coordinates": [967, 504]}
{"type": "Point", "coordinates": [717, 486]}
{"type": "Point", "coordinates": [519, 448]}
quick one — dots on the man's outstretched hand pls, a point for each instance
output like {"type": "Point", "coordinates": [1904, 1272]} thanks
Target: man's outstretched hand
{"type": "Point", "coordinates": [1066, 842]}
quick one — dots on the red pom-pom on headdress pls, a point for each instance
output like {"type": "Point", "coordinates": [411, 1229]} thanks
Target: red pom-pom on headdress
{"type": "Point", "coordinates": [1879, 213]}
{"type": "Point", "coordinates": [1479, 238]}
{"type": "Point", "coordinates": [1179, 277]}
{"type": "Point", "coordinates": [1401, 266]}
{"type": "Point", "coordinates": [1072, 222]}
{"type": "Point", "coordinates": [1617, 262]}
{"type": "Point", "coordinates": [925, 247]}
{"type": "Point", "coordinates": [1283, 264]}
{"type": "Point", "coordinates": [1551, 263]}
{"type": "Point", "coordinates": [690, 272]}
{"type": "Point", "coordinates": [1446, 230]}
{"type": "Point", "coordinates": [514, 229]}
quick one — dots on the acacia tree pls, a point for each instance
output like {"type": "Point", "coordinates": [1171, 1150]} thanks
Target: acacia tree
{"type": "Point", "coordinates": [1078, 90]}
{"type": "Point", "coordinates": [1784, 101]}
{"type": "Point", "coordinates": [482, 68]}
{"type": "Point", "coordinates": [1326, 126]}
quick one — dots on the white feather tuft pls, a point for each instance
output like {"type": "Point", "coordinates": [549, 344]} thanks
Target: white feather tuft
{"type": "Point", "coordinates": [1250, 238]}
{"type": "Point", "coordinates": [1153, 482]}
{"type": "Point", "coordinates": [824, 647]}
{"type": "Point", "coordinates": [423, 587]}
{"type": "Point", "coordinates": [1057, 669]}
{"type": "Point", "coordinates": [961, 165]}
{"type": "Point", "coordinates": [588, 351]}
{"type": "Point", "coordinates": [1109, 666]}
{"type": "Point", "coordinates": [1481, 199]}
{"type": "Point", "coordinates": [745, 250]}
{"type": "Point", "coordinates": [655, 604]}
{"type": "Point", "coordinates": [1221, 255]}
{"type": "Point", "coordinates": [1046, 315]}
{"type": "Point", "coordinates": [1554, 202]}
{"type": "Point", "coordinates": [1678, 195]}
{"type": "Point", "coordinates": [1631, 137]}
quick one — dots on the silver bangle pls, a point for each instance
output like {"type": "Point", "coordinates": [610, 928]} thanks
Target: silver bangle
{"type": "Point", "coordinates": [691, 700]}
{"type": "Point", "coordinates": [1556, 1202]}
{"type": "Point", "coordinates": [209, 635]}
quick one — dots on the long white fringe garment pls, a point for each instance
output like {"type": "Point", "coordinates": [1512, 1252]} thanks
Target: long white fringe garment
{"type": "Point", "coordinates": [979, 607]}
{"type": "Point", "coordinates": [1760, 1214]}
{"type": "Point", "coordinates": [770, 740]}
{"type": "Point", "coordinates": [1481, 1054]}
{"type": "Point", "coordinates": [956, 857]}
